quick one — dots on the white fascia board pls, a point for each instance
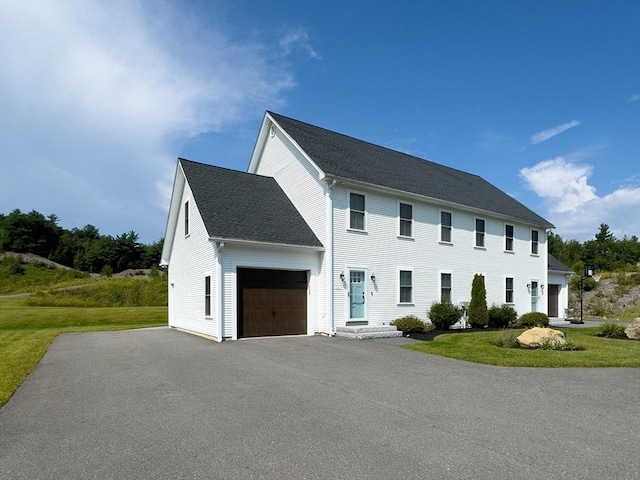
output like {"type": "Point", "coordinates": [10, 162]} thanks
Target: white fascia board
{"type": "Point", "coordinates": [281, 246]}
{"type": "Point", "coordinates": [262, 140]}
{"type": "Point", "coordinates": [172, 218]}
{"type": "Point", "coordinates": [437, 201]}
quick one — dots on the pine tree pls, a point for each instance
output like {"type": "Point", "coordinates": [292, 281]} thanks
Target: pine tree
{"type": "Point", "coordinates": [478, 312]}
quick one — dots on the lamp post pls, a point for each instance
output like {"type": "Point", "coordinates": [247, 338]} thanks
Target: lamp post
{"type": "Point", "coordinates": [588, 272]}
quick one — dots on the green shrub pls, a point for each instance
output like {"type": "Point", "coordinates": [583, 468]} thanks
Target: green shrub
{"type": "Point", "coordinates": [548, 344]}
{"type": "Point", "coordinates": [589, 284]}
{"type": "Point", "coordinates": [612, 330]}
{"type": "Point", "coordinates": [501, 317]}
{"type": "Point", "coordinates": [478, 315]}
{"type": "Point", "coordinates": [409, 324]}
{"type": "Point", "coordinates": [106, 271]}
{"type": "Point", "coordinates": [532, 319]}
{"type": "Point", "coordinates": [444, 314]}
{"type": "Point", "coordinates": [505, 339]}
{"type": "Point", "coordinates": [11, 266]}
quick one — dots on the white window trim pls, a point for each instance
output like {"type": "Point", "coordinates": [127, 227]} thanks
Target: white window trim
{"type": "Point", "coordinates": [187, 218]}
{"type": "Point", "coordinates": [450, 241]}
{"type": "Point", "coordinates": [364, 220]}
{"type": "Point", "coordinates": [211, 292]}
{"type": "Point", "coordinates": [399, 219]}
{"type": "Point", "coordinates": [531, 242]}
{"type": "Point", "coordinates": [513, 290]}
{"type": "Point", "coordinates": [413, 282]}
{"type": "Point", "coordinates": [440, 272]}
{"type": "Point", "coordinates": [513, 238]}
{"type": "Point", "coordinates": [484, 233]}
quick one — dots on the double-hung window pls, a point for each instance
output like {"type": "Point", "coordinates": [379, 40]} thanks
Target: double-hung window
{"type": "Point", "coordinates": [207, 296]}
{"type": "Point", "coordinates": [356, 211]}
{"type": "Point", "coordinates": [534, 242]}
{"type": "Point", "coordinates": [508, 290]}
{"type": "Point", "coordinates": [508, 238]}
{"type": "Point", "coordinates": [406, 219]}
{"type": "Point", "coordinates": [186, 218]}
{"type": "Point", "coordinates": [479, 232]}
{"type": "Point", "coordinates": [445, 287]}
{"type": "Point", "coordinates": [445, 227]}
{"type": "Point", "coordinates": [406, 286]}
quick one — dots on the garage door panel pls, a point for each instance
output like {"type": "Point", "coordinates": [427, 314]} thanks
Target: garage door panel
{"type": "Point", "coordinates": [271, 302]}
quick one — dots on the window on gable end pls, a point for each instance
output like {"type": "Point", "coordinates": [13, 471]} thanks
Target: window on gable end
{"type": "Point", "coordinates": [406, 219]}
{"type": "Point", "coordinates": [508, 238]}
{"type": "Point", "coordinates": [480, 232]}
{"type": "Point", "coordinates": [445, 287]}
{"type": "Point", "coordinates": [445, 227]}
{"type": "Point", "coordinates": [508, 290]}
{"type": "Point", "coordinates": [406, 286]}
{"type": "Point", "coordinates": [186, 218]}
{"type": "Point", "coordinates": [534, 242]}
{"type": "Point", "coordinates": [356, 211]}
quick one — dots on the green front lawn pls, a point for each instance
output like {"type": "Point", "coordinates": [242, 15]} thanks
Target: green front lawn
{"type": "Point", "coordinates": [477, 347]}
{"type": "Point", "coordinates": [26, 332]}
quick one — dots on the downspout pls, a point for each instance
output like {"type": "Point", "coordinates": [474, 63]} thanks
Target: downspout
{"type": "Point", "coordinates": [219, 291]}
{"type": "Point", "coordinates": [329, 252]}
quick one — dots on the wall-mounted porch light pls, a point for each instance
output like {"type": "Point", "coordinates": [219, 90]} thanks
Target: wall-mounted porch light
{"type": "Point", "coordinates": [373, 277]}
{"type": "Point", "coordinates": [342, 276]}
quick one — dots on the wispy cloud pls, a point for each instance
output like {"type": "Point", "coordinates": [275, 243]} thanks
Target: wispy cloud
{"type": "Point", "coordinates": [98, 96]}
{"type": "Point", "coordinates": [545, 135]}
{"type": "Point", "coordinates": [634, 98]}
{"type": "Point", "coordinates": [573, 205]}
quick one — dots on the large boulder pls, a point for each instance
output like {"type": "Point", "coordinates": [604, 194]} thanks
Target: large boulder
{"type": "Point", "coordinates": [536, 336]}
{"type": "Point", "coordinates": [633, 331]}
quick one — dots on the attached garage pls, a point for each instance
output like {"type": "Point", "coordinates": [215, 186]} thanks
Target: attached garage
{"type": "Point", "coordinates": [271, 302]}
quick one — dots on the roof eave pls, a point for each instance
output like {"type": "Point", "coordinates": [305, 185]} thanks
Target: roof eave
{"type": "Point", "coordinates": [243, 242]}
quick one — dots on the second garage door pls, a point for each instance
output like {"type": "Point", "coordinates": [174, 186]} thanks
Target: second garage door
{"type": "Point", "coordinates": [271, 302]}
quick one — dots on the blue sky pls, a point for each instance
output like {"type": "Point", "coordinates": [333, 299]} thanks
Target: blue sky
{"type": "Point", "coordinates": [98, 99]}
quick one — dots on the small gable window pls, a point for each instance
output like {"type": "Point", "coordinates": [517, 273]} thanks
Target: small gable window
{"type": "Point", "coordinates": [534, 242]}
{"type": "Point", "coordinates": [445, 227]}
{"type": "Point", "coordinates": [207, 296]}
{"type": "Point", "coordinates": [356, 211]}
{"type": "Point", "coordinates": [508, 238]}
{"type": "Point", "coordinates": [186, 218]}
{"type": "Point", "coordinates": [479, 232]}
{"type": "Point", "coordinates": [406, 219]}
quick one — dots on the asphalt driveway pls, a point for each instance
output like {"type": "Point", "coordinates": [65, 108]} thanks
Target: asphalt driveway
{"type": "Point", "coordinates": [166, 405]}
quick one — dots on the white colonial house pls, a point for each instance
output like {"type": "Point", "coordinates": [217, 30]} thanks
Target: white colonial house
{"type": "Point", "coordinates": [325, 233]}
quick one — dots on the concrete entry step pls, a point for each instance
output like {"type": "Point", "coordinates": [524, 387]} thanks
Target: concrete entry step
{"type": "Point", "coordinates": [366, 332]}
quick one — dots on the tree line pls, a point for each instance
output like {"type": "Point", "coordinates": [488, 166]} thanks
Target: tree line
{"type": "Point", "coordinates": [83, 248]}
{"type": "Point", "coordinates": [603, 253]}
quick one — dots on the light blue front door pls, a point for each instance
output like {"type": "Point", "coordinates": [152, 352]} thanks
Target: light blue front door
{"type": "Point", "coordinates": [534, 296]}
{"type": "Point", "coordinates": [356, 293]}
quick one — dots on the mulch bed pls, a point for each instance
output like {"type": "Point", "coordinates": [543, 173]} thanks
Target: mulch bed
{"type": "Point", "coordinates": [429, 336]}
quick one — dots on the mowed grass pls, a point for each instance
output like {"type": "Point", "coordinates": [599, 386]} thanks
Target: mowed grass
{"type": "Point", "coordinates": [26, 332]}
{"type": "Point", "coordinates": [477, 347]}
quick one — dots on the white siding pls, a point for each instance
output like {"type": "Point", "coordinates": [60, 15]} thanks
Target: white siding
{"type": "Point", "coordinates": [300, 180]}
{"type": "Point", "coordinates": [234, 257]}
{"type": "Point", "coordinates": [192, 258]}
{"type": "Point", "coordinates": [381, 251]}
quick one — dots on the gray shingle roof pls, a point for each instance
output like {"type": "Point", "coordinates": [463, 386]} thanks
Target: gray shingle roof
{"type": "Point", "coordinates": [348, 158]}
{"type": "Point", "coordinates": [243, 206]}
{"type": "Point", "coordinates": [556, 265]}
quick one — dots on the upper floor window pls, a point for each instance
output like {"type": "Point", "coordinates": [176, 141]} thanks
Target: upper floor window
{"type": "Point", "coordinates": [445, 227]}
{"type": "Point", "coordinates": [186, 217]}
{"type": "Point", "coordinates": [534, 242]}
{"type": "Point", "coordinates": [508, 238]}
{"type": "Point", "coordinates": [356, 211]}
{"type": "Point", "coordinates": [445, 287]}
{"type": "Point", "coordinates": [406, 286]}
{"type": "Point", "coordinates": [479, 232]}
{"type": "Point", "coordinates": [406, 219]}
{"type": "Point", "coordinates": [207, 296]}
{"type": "Point", "coordinates": [508, 290]}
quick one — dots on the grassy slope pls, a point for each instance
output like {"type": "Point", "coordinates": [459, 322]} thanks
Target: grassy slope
{"type": "Point", "coordinates": [477, 347]}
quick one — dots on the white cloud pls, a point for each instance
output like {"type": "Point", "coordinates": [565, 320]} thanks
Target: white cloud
{"type": "Point", "coordinates": [103, 92]}
{"type": "Point", "coordinates": [572, 204]}
{"type": "Point", "coordinates": [545, 135]}
{"type": "Point", "coordinates": [634, 98]}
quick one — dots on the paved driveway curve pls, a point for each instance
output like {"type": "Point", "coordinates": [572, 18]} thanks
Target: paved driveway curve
{"type": "Point", "coordinates": [162, 404]}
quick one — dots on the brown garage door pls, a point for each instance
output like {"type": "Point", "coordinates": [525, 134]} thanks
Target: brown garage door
{"type": "Point", "coordinates": [271, 302]}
